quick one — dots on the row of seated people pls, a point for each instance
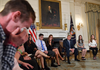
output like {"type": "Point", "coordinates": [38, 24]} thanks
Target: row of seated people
{"type": "Point", "coordinates": [92, 46]}
{"type": "Point", "coordinates": [41, 50]}
{"type": "Point", "coordinates": [68, 44]}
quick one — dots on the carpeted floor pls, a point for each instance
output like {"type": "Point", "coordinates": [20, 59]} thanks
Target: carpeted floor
{"type": "Point", "coordinates": [88, 64]}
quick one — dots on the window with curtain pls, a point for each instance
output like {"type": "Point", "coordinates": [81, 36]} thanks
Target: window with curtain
{"type": "Point", "coordinates": [93, 20]}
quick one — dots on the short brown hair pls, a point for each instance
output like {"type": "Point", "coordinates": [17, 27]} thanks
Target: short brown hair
{"type": "Point", "coordinates": [41, 34]}
{"type": "Point", "coordinates": [19, 5]}
{"type": "Point", "coordinates": [68, 35]}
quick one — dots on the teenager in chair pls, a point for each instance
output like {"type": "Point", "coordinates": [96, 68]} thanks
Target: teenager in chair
{"type": "Point", "coordinates": [42, 46]}
{"type": "Point", "coordinates": [80, 45]}
{"type": "Point", "coordinates": [93, 46]}
{"type": "Point", "coordinates": [50, 46]}
{"type": "Point", "coordinates": [68, 44]}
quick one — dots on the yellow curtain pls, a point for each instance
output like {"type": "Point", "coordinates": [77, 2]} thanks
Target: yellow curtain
{"type": "Point", "coordinates": [93, 20]}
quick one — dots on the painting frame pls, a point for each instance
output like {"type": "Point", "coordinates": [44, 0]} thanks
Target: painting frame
{"type": "Point", "coordinates": [40, 15]}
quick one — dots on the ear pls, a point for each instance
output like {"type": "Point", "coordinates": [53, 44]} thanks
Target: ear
{"type": "Point", "coordinates": [16, 16]}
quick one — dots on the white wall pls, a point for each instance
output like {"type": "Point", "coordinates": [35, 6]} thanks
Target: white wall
{"type": "Point", "coordinates": [80, 15]}
{"type": "Point", "coordinates": [2, 3]}
{"type": "Point", "coordinates": [35, 5]}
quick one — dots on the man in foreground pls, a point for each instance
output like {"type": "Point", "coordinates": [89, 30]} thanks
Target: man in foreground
{"type": "Point", "coordinates": [15, 15]}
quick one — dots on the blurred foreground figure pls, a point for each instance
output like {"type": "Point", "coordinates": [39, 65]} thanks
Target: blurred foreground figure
{"type": "Point", "coordinates": [15, 15]}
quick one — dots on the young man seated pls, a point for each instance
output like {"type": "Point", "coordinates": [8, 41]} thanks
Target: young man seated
{"type": "Point", "coordinates": [68, 44]}
{"type": "Point", "coordinates": [42, 46]}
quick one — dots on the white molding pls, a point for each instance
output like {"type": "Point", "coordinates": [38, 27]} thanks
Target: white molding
{"type": "Point", "coordinates": [55, 33]}
{"type": "Point", "coordinates": [71, 0]}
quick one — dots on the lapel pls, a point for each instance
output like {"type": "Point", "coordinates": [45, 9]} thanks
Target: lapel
{"type": "Point", "coordinates": [68, 43]}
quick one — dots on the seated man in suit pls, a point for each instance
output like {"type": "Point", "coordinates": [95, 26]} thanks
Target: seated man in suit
{"type": "Point", "coordinates": [68, 44]}
{"type": "Point", "coordinates": [42, 46]}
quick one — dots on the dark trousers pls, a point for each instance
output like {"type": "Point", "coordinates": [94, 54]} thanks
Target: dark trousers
{"type": "Point", "coordinates": [45, 63]}
{"type": "Point", "coordinates": [94, 51]}
{"type": "Point", "coordinates": [75, 53]}
{"type": "Point", "coordinates": [50, 53]}
{"type": "Point", "coordinates": [32, 62]}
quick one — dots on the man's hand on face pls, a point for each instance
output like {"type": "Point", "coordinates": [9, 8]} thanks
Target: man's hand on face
{"type": "Point", "coordinates": [18, 39]}
{"type": "Point", "coordinates": [46, 52]}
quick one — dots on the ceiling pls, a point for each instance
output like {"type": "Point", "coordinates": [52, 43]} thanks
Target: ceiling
{"type": "Point", "coordinates": [97, 0]}
{"type": "Point", "coordinates": [92, 1]}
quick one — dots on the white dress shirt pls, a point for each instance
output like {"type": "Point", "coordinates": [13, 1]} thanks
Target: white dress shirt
{"type": "Point", "coordinates": [93, 43]}
{"type": "Point", "coordinates": [39, 46]}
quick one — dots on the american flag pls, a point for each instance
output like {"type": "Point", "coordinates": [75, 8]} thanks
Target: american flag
{"type": "Point", "coordinates": [32, 31]}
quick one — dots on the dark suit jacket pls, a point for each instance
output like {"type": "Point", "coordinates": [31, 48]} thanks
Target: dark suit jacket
{"type": "Point", "coordinates": [29, 48]}
{"type": "Point", "coordinates": [50, 47]}
{"type": "Point", "coordinates": [66, 45]}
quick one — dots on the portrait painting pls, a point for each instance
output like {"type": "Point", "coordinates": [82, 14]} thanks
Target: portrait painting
{"type": "Point", "coordinates": [50, 14]}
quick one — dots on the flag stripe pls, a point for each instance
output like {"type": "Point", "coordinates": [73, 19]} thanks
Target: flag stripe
{"type": "Point", "coordinates": [32, 31]}
{"type": "Point", "coordinates": [32, 35]}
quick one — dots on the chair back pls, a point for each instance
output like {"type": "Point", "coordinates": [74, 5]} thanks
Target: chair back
{"type": "Point", "coordinates": [61, 43]}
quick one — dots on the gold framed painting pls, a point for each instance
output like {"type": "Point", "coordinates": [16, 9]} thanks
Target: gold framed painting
{"type": "Point", "coordinates": [50, 14]}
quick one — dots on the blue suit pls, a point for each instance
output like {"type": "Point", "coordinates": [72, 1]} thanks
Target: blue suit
{"type": "Point", "coordinates": [68, 47]}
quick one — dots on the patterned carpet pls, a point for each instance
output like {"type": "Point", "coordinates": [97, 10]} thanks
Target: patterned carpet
{"type": "Point", "coordinates": [88, 64]}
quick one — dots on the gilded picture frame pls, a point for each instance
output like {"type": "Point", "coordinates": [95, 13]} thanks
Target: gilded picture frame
{"type": "Point", "coordinates": [49, 20]}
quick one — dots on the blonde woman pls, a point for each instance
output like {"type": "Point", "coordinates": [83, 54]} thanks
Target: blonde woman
{"type": "Point", "coordinates": [93, 46]}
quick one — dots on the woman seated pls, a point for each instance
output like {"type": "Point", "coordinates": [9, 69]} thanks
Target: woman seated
{"type": "Point", "coordinates": [16, 58]}
{"type": "Point", "coordinates": [31, 48]}
{"type": "Point", "coordinates": [93, 46]}
{"type": "Point", "coordinates": [80, 45]}
{"type": "Point", "coordinates": [50, 46]}
{"type": "Point", "coordinates": [26, 62]}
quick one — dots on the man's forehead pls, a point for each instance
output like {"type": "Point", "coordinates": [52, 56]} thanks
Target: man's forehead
{"type": "Point", "coordinates": [69, 36]}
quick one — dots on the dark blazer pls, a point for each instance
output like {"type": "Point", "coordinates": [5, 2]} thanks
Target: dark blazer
{"type": "Point", "coordinates": [66, 45]}
{"type": "Point", "coordinates": [50, 47]}
{"type": "Point", "coordinates": [29, 48]}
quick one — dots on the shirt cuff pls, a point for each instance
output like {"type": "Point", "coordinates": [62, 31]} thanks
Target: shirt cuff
{"type": "Point", "coordinates": [13, 44]}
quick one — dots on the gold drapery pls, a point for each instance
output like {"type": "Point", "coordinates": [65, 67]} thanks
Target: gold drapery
{"type": "Point", "coordinates": [93, 20]}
